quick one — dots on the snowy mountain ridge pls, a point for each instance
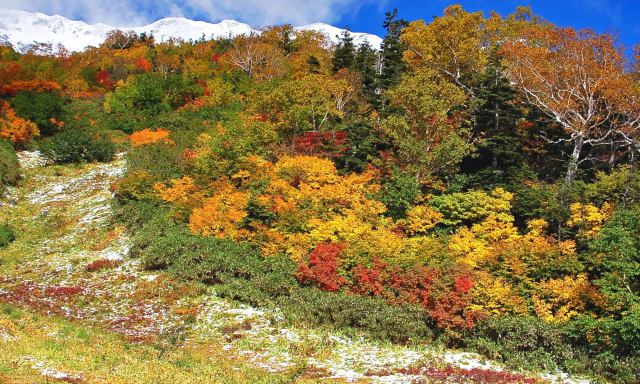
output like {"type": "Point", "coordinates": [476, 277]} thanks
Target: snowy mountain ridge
{"type": "Point", "coordinates": [21, 29]}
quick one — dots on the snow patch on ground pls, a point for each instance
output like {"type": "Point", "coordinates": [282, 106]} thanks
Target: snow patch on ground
{"type": "Point", "coordinates": [50, 373]}
{"type": "Point", "coordinates": [5, 335]}
{"type": "Point", "coordinates": [30, 159]}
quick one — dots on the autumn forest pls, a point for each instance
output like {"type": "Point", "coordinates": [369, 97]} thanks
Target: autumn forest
{"type": "Point", "coordinates": [472, 183]}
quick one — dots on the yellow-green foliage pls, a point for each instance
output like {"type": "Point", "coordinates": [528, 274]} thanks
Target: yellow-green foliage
{"type": "Point", "coordinates": [472, 206]}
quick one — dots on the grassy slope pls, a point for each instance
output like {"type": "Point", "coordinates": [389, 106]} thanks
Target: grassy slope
{"type": "Point", "coordinates": [37, 349]}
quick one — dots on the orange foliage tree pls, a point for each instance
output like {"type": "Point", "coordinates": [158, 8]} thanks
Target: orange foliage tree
{"type": "Point", "coordinates": [573, 77]}
{"type": "Point", "coordinates": [13, 128]}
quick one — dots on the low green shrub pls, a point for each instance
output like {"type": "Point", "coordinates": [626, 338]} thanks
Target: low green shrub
{"type": "Point", "coordinates": [399, 324]}
{"type": "Point", "coordinates": [606, 349]}
{"type": "Point", "coordinates": [9, 167]}
{"type": "Point", "coordinates": [520, 341]}
{"type": "Point", "coordinates": [6, 235]}
{"type": "Point", "coordinates": [135, 214]}
{"type": "Point", "coordinates": [77, 146]}
{"type": "Point", "coordinates": [161, 161]}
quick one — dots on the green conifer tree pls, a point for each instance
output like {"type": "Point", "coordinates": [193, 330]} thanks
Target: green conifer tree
{"type": "Point", "coordinates": [391, 63]}
{"type": "Point", "coordinates": [345, 52]}
{"type": "Point", "coordinates": [366, 60]}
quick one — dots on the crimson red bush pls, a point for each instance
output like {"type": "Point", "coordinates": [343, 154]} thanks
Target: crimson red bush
{"type": "Point", "coordinates": [322, 267]}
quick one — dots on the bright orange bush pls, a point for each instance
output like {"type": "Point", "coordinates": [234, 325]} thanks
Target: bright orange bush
{"type": "Point", "coordinates": [222, 214]}
{"type": "Point", "coordinates": [147, 136]}
{"type": "Point", "coordinates": [13, 128]}
{"type": "Point", "coordinates": [143, 65]}
{"type": "Point", "coordinates": [30, 85]}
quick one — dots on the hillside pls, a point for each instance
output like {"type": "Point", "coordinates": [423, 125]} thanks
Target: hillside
{"type": "Point", "coordinates": [70, 263]}
{"type": "Point", "coordinates": [461, 205]}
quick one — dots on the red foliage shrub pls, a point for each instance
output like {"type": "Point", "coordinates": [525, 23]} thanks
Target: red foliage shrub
{"type": "Point", "coordinates": [104, 79]}
{"type": "Point", "coordinates": [370, 281]}
{"type": "Point", "coordinates": [322, 267]}
{"type": "Point", "coordinates": [445, 295]}
{"type": "Point", "coordinates": [101, 264]}
{"type": "Point", "coordinates": [414, 285]}
{"type": "Point", "coordinates": [188, 154]}
{"type": "Point", "coordinates": [329, 144]}
{"type": "Point", "coordinates": [451, 374]}
{"type": "Point", "coordinates": [62, 292]}
{"type": "Point", "coordinates": [463, 284]}
{"type": "Point", "coordinates": [143, 64]}
{"type": "Point", "coordinates": [205, 88]}
{"type": "Point", "coordinates": [448, 311]}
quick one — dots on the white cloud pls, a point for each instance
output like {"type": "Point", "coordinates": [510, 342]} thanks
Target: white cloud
{"type": "Point", "coordinates": [254, 12]}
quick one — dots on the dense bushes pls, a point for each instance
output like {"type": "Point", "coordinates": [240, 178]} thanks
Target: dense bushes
{"type": "Point", "coordinates": [6, 235]}
{"type": "Point", "coordinates": [45, 109]}
{"type": "Point", "coordinates": [77, 145]}
{"type": "Point", "coordinates": [453, 266]}
{"type": "Point", "coordinates": [137, 103]}
{"type": "Point", "coordinates": [9, 167]}
{"type": "Point", "coordinates": [241, 273]}
{"type": "Point", "coordinates": [516, 340]}
{"type": "Point", "coordinates": [581, 345]}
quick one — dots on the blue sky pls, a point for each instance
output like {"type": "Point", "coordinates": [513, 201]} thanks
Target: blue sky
{"type": "Point", "coordinates": [621, 17]}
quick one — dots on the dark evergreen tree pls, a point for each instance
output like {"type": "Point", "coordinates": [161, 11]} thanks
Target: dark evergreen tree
{"type": "Point", "coordinates": [366, 60]}
{"type": "Point", "coordinates": [391, 64]}
{"type": "Point", "coordinates": [40, 107]}
{"type": "Point", "coordinates": [314, 64]}
{"type": "Point", "coordinates": [497, 117]}
{"type": "Point", "coordinates": [286, 42]}
{"type": "Point", "coordinates": [345, 52]}
{"type": "Point", "coordinates": [495, 113]}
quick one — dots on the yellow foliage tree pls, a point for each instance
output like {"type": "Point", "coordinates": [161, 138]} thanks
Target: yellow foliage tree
{"type": "Point", "coordinates": [180, 191]}
{"type": "Point", "coordinates": [309, 170]}
{"type": "Point", "coordinates": [559, 300]}
{"type": "Point", "coordinates": [421, 219]}
{"type": "Point", "coordinates": [588, 218]}
{"type": "Point", "coordinates": [495, 296]}
{"type": "Point", "coordinates": [452, 44]}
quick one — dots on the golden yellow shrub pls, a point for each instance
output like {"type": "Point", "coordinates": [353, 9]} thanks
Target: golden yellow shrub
{"type": "Point", "coordinates": [559, 300]}
{"type": "Point", "coordinates": [222, 214]}
{"type": "Point", "coordinates": [588, 218]}
{"type": "Point", "coordinates": [421, 219]}
{"type": "Point", "coordinates": [495, 296]}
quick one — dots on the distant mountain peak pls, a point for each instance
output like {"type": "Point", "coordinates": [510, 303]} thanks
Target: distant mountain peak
{"type": "Point", "coordinates": [21, 29]}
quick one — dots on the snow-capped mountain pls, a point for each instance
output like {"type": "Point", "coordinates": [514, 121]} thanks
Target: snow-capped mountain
{"type": "Point", "coordinates": [332, 33]}
{"type": "Point", "coordinates": [21, 29]}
